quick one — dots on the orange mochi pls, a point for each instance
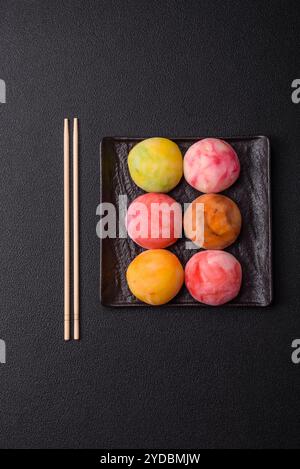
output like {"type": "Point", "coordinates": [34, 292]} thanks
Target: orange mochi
{"type": "Point", "coordinates": [221, 221]}
{"type": "Point", "coordinates": [155, 276]}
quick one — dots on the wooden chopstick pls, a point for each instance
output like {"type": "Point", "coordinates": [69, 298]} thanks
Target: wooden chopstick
{"type": "Point", "coordinates": [76, 231]}
{"type": "Point", "coordinates": [66, 232]}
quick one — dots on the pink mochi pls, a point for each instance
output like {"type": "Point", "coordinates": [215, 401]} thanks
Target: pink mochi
{"type": "Point", "coordinates": [213, 277]}
{"type": "Point", "coordinates": [211, 165]}
{"type": "Point", "coordinates": [154, 220]}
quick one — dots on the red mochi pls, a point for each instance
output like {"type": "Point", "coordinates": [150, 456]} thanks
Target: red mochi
{"type": "Point", "coordinates": [154, 220]}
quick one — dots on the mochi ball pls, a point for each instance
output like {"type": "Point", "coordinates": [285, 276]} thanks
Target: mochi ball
{"type": "Point", "coordinates": [213, 277]}
{"type": "Point", "coordinates": [156, 164]}
{"type": "Point", "coordinates": [211, 165]}
{"type": "Point", "coordinates": [155, 276]}
{"type": "Point", "coordinates": [154, 221]}
{"type": "Point", "coordinates": [212, 221]}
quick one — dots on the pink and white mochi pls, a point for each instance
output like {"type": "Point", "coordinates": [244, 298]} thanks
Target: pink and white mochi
{"type": "Point", "coordinates": [213, 277]}
{"type": "Point", "coordinates": [211, 165]}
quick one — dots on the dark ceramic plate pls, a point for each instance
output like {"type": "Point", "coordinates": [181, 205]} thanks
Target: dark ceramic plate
{"type": "Point", "coordinates": [253, 247]}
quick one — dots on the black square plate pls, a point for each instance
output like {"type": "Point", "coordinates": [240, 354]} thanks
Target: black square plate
{"type": "Point", "coordinates": [251, 192]}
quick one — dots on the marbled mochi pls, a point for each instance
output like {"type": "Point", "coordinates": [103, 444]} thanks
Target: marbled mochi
{"type": "Point", "coordinates": [221, 221]}
{"type": "Point", "coordinates": [156, 164]}
{"type": "Point", "coordinates": [213, 277]}
{"type": "Point", "coordinates": [211, 165]}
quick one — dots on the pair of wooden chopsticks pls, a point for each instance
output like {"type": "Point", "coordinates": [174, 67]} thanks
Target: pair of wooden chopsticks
{"type": "Point", "coordinates": [67, 316]}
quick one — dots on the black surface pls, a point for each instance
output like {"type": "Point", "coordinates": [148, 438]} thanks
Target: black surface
{"type": "Point", "coordinates": [138, 378]}
{"type": "Point", "coordinates": [251, 192]}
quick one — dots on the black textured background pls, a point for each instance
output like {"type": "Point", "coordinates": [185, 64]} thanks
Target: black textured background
{"type": "Point", "coordinates": [170, 378]}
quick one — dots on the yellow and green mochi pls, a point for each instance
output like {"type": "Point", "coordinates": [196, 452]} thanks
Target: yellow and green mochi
{"type": "Point", "coordinates": [156, 164]}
